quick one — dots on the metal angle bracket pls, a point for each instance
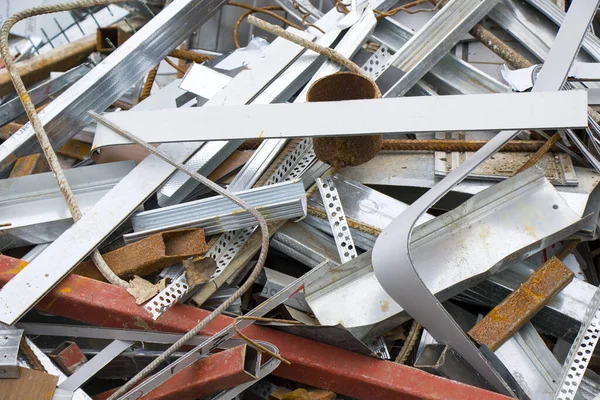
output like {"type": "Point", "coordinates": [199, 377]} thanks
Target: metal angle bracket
{"type": "Point", "coordinates": [393, 264]}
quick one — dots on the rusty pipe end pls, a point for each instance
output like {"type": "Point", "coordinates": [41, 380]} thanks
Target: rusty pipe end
{"type": "Point", "coordinates": [345, 151]}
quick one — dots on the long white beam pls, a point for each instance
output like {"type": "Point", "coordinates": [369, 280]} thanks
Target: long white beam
{"type": "Point", "coordinates": [548, 110]}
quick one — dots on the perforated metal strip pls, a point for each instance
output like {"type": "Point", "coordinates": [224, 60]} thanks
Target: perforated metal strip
{"type": "Point", "coordinates": [581, 351]}
{"type": "Point", "coordinates": [230, 243]}
{"type": "Point", "coordinates": [377, 63]}
{"type": "Point", "coordinates": [337, 219]}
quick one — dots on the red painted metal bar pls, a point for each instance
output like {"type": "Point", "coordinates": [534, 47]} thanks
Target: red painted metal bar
{"type": "Point", "coordinates": [206, 376]}
{"type": "Point", "coordinates": [313, 363]}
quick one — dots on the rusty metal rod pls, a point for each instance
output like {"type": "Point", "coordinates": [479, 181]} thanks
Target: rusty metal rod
{"type": "Point", "coordinates": [525, 146]}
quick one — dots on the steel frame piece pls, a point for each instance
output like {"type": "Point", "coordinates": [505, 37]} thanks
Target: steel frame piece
{"type": "Point", "coordinates": [313, 363]}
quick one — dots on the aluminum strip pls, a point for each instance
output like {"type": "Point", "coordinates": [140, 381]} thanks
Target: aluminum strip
{"type": "Point", "coordinates": [188, 213]}
{"type": "Point", "coordinates": [99, 361]}
{"type": "Point", "coordinates": [102, 219]}
{"type": "Point", "coordinates": [37, 211]}
{"type": "Point", "coordinates": [292, 208]}
{"type": "Point", "coordinates": [337, 219]}
{"type": "Point", "coordinates": [224, 335]}
{"type": "Point", "coordinates": [591, 43]}
{"type": "Point", "coordinates": [434, 40]}
{"type": "Point", "coordinates": [393, 264]}
{"type": "Point", "coordinates": [10, 341]}
{"type": "Point", "coordinates": [418, 115]}
{"type": "Point", "coordinates": [67, 115]}
{"type": "Point", "coordinates": [10, 110]}
{"type": "Point", "coordinates": [257, 165]}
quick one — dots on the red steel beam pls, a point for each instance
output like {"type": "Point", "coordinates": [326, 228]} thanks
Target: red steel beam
{"type": "Point", "coordinates": [313, 363]}
{"type": "Point", "coordinates": [206, 376]}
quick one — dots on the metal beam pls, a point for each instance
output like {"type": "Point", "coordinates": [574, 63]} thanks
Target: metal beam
{"type": "Point", "coordinates": [207, 376]}
{"type": "Point", "coordinates": [416, 115]}
{"type": "Point", "coordinates": [98, 89]}
{"type": "Point", "coordinates": [313, 363]}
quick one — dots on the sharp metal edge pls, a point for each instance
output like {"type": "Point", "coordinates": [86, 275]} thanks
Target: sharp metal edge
{"type": "Point", "coordinates": [393, 264]}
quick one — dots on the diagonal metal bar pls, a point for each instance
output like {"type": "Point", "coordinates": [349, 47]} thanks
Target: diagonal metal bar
{"type": "Point", "coordinates": [65, 116]}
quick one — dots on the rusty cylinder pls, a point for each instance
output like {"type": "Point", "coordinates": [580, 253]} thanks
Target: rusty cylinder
{"type": "Point", "coordinates": [345, 151]}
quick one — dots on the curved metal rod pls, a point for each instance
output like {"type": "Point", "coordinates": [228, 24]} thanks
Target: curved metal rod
{"type": "Point", "coordinates": [392, 261]}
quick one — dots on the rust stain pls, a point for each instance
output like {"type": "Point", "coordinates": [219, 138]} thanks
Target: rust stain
{"type": "Point", "coordinates": [261, 134]}
{"type": "Point", "coordinates": [385, 306]}
{"type": "Point", "coordinates": [531, 231]}
{"type": "Point", "coordinates": [65, 290]}
{"type": "Point", "coordinates": [521, 305]}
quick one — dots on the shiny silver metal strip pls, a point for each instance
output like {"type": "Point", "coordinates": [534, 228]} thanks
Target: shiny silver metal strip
{"type": "Point", "coordinates": [99, 361]}
{"type": "Point", "coordinates": [66, 115]}
{"type": "Point", "coordinates": [37, 212]}
{"type": "Point", "coordinates": [215, 208]}
{"type": "Point", "coordinates": [224, 335]}
{"type": "Point", "coordinates": [417, 115]}
{"type": "Point", "coordinates": [591, 43]}
{"type": "Point", "coordinates": [392, 260]}
{"type": "Point", "coordinates": [431, 43]}
{"type": "Point", "coordinates": [13, 108]}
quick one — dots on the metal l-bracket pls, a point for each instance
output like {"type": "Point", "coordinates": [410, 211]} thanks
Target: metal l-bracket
{"type": "Point", "coordinates": [392, 261]}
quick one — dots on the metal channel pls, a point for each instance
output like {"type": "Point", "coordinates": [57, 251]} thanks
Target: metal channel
{"type": "Point", "coordinates": [337, 219]}
{"type": "Point", "coordinates": [418, 115]}
{"type": "Point", "coordinates": [393, 264]}
{"type": "Point", "coordinates": [224, 335]}
{"type": "Point", "coordinates": [286, 200]}
{"type": "Point", "coordinates": [36, 210]}
{"type": "Point", "coordinates": [434, 40]}
{"type": "Point", "coordinates": [97, 90]}
{"type": "Point", "coordinates": [12, 109]}
{"type": "Point", "coordinates": [591, 43]}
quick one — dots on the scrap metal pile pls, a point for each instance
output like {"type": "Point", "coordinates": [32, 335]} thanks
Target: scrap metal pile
{"type": "Point", "coordinates": [369, 200]}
